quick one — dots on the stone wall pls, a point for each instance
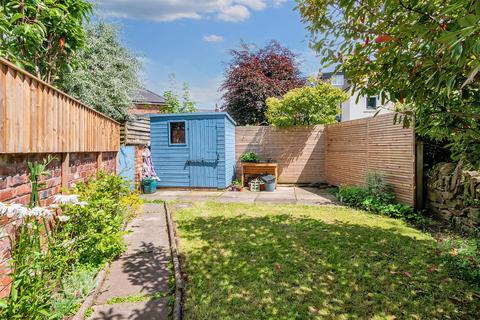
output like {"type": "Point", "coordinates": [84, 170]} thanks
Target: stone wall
{"type": "Point", "coordinates": [453, 194]}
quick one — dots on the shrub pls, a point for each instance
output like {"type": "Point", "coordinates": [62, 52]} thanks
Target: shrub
{"type": "Point", "coordinates": [249, 157]}
{"type": "Point", "coordinates": [376, 197]}
{"type": "Point", "coordinates": [316, 103]}
{"type": "Point", "coordinates": [96, 227]}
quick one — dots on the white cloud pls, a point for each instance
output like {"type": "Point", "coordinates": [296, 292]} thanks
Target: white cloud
{"type": "Point", "coordinates": [254, 4]}
{"type": "Point", "coordinates": [171, 10]}
{"type": "Point", "coordinates": [235, 13]}
{"type": "Point", "coordinates": [212, 38]}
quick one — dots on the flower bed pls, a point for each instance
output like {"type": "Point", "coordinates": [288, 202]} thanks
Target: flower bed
{"type": "Point", "coordinates": [57, 251]}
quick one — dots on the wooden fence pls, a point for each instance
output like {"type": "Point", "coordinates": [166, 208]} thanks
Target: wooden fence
{"type": "Point", "coordinates": [338, 154]}
{"type": "Point", "coordinates": [355, 147]}
{"type": "Point", "coordinates": [299, 151]}
{"type": "Point", "coordinates": [35, 117]}
{"type": "Point", "coordinates": [136, 131]}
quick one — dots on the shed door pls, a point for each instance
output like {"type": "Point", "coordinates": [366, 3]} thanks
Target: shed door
{"type": "Point", "coordinates": [126, 164]}
{"type": "Point", "coordinates": [204, 156]}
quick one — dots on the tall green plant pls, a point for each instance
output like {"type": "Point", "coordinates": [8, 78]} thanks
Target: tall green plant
{"type": "Point", "coordinates": [42, 36]}
{"type": "Point", "coordinates": [316, 103]}
{"type": "Point", "coordinates": [35, 171]}
{"type": "Point", "coordinates": [107, 78]}
{"type": "Point", "coordinates": [174, 104]}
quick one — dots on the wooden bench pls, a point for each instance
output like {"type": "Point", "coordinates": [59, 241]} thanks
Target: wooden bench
{"type": "Point", "coordinates": [254, 168]}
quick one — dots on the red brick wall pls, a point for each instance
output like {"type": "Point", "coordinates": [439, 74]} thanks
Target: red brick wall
{"type": "Point", "coordinates": [15, 187]}
{"type": "Point", "coordinates": [14, 184]}
{"type": "Point", "coordinates": [138, 165]}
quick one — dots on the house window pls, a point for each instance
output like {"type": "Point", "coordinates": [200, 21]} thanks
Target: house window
{"type": "Point", "coordinates": [372, 103]}
{"type": "Point", "coordinates": [177, 132]}
{"type": "Point", "coordinates": [338, 80]}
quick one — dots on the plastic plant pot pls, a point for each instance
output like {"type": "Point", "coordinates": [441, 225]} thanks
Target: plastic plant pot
{"type": "Point", "coordinates": [149, 186]}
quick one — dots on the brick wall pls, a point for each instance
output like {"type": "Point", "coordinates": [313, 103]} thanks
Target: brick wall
{"type": "Point", "coordinates": [15, 187]}
{"type": "Point", "coordinates": [14, 184]}
{"type": "Point", "coordinates": [138, 165]}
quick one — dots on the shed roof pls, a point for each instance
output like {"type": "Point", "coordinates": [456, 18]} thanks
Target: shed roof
{"type": "Point", "coordinates": [194, 115]}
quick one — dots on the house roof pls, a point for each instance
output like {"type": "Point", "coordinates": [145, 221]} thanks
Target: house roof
{"type": "Point", "coordinates": [328, 75]}
{"type": "Point", "coordinates": [146, 96]}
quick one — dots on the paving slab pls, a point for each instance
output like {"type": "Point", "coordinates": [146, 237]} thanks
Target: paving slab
{"type": "Point", "coordinates": [144, 269]}
{"type": "Point", "coordinates": [146, 310]}
{"type": "Point", "coordinates": [282, 195]}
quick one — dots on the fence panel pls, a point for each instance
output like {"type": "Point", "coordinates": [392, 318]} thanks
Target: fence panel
{"type": "Point", "coordinates": [299, 151]}
{"type": "Point", "coordinates": [355, 147]}
{"type": "Point", "coordinates": [35, 117]}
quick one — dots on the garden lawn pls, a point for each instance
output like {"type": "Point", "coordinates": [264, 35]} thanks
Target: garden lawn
{"type": "Point", "coordinates": [311, 262]}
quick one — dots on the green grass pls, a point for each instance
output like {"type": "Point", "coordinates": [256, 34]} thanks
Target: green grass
{"type": "Point", "coordinates": [137, 298]}
{"type": "Point", "coordinates": [306, 262]}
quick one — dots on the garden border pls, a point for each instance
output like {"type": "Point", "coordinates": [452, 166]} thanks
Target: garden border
{"type": "Point", "coordinates": [100, 279]}
{"type": "Point", "coordinates": [179, 284]}
{"type": "Point", "coordinates": [90, 300]}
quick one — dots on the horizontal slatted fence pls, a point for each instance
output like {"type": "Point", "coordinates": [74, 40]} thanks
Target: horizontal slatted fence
{"type": "Point", "coordinates": [35, 117]}
{"type": "Point", "coordinates": [136, 131]}
{"type": "Point", "coordinates": [299, 151]}
{"type": "Point", "coordinates": [355, 147]}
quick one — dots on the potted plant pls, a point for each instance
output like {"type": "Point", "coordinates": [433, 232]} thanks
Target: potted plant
{"type": "Point", "coordinates": [236, 186]}
{"type": "Point", "coordinates": [249, 156]}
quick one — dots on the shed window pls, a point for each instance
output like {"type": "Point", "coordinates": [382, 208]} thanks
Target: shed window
{"type": "Point", "coordinates": [177, 132]}
{"type": "Point", "coordinates": [371, 103]}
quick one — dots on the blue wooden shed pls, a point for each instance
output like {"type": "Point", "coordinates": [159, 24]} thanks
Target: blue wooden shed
{"type": "Point", "coordinates": [193, 150]}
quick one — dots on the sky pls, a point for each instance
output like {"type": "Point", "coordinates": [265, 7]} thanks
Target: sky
{"type": "Point", "coordinates": [192, 38]}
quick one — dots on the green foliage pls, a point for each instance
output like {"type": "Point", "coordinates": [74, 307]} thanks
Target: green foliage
{"type": "Point", "coordinates": [463, 258]}
{"type": "Point", "coordinates": [376, 186]}
{"type": "Point", "coordinates": [249, 156]}
{"type": "Point", "coordinates": [54, 268]}
{"type": "Point", "coordinates": [36, 272]}
{"type": "Point", "coordinates": [73, 289]}
{"type": "Point", "coordinates": [376, 197]}
{"type": "Point", "coordinates": [42, 36]}
{"type": "Point", "coordinates": [35, 171]}
{"type": "Point", "coordinates": [174, 105]}
{"type": "Point", "coordinates": [316, 103]}
{"type": "Point", "coordinates": [423, 55]}
{"type": "Point", "coordinates": [97, 225]}
{"type": "Point", "coordinates": [107, 78]}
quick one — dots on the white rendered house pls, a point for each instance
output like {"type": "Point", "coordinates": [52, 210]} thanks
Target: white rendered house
{"type": "Point", "coordinates": [366, 106]}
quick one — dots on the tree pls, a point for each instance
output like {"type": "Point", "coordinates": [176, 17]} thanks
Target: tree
{"type": "Point", "coordinates": [108, 75]}
{"type": "Point", "coordinates": [316, 103]}
{"type": "Point", "coordinates": [42, 36]}
{"type": "Point", "coordinates": [174, 105]}
{"type": "Point", "coordinates": [422, 54]}
{"type": "Point", "coordinates": [255, 75]}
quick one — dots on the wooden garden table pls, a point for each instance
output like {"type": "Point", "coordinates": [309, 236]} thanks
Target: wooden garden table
{"type": "Point", "coordinates": [259, 168]}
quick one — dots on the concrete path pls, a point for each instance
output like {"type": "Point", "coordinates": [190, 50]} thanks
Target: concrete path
{"type": "Point", "coordinates": [137, 285]}
{"type": "Point", "coordinates": [283, 195]}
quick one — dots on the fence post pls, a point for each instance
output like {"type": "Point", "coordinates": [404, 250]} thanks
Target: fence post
{"type": "Point", "coordinates": [419, 201]}
{"type": "Point", "coordinates": [116, 162]}
{"type": "Point", "coordinates": [65, 169]}
{"type": "Point", "coordinates": [99, 161]}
